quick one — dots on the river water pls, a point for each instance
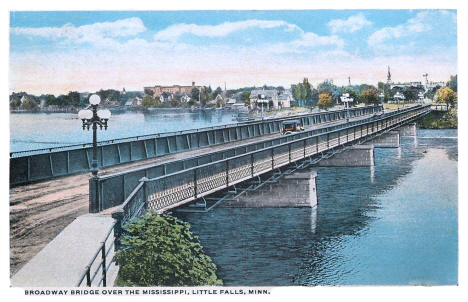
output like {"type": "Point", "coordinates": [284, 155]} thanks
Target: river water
{"type": "Point", "coordinates": [391, 224]}
{"type": "Point", "coordinates": [32, 131]}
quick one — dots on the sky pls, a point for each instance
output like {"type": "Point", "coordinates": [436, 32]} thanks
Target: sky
{"type": "Point", "coordinates": [59, 51]}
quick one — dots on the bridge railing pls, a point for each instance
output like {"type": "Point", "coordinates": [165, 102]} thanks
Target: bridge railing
{"type": "Point", "coordinates": [171, 190]}
{"type": "Point", "coordinates": [35, 165]}
{"type": "Point", "coordinates": [95, 273]}
{"type": "Point", "coordinates": [116, 187]}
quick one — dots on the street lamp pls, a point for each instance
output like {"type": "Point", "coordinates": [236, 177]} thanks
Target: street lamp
{"type": "Point", "coordinates": [94, 117]}
{"type": "Point", "coordinates": [262, 100]}
{"type": "Point", "coordinates": [421, 96]}
{"type": "Point", "coordinates": [346, 99]}
{"type": "Point", "coordinates": [381, 95]}
{"type": "Point", "coordinates": [400, 96]}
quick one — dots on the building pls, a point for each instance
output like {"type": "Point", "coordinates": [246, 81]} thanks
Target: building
{"type": "Point", "coordinates": [284, 100]}
{"type": "Point", "coordinates": [275, 101]}
{"type": "Point", "coordinates": [158, 90]}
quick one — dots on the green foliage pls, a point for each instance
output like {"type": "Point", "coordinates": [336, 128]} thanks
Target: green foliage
{"type": "Point", "coordinates": [160, 250]}
{"type": "Point", "coordinates": [369, 96]}
{"type": "Point", "coordinates": [437, 121]}
{"type": "Point", "coordinates": [245, 96]}
{"type": "Point", "coordinates": [304, 92]}
{"type": "Point", "coordinates": [148, 101]}
{"type": "Point", "coordinates": [324, 100]}
{"type": "Point", "coordinates": [453, 83]}
{"type": "Point", "coordinates": [446, 95]}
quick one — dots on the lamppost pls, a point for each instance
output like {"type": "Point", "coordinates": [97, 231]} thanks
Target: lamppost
{"type": "Point", "coordinates": [262, 100]}
{"type": "Point", "coordinates": [400, 96]}
{"type": "Point", "coordinates": [381, 95]}
{"type": "Point", "coordinates": [94, 117]}
{"type": "Point", "coordinates": [421, 97]}
{"type": "Point", "coordinates": [346, 99]}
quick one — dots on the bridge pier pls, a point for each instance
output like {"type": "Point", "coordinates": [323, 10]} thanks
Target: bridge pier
{"type": "Point", "coordinates": [294, 190]}
{"type": "Point", "coordinates": [408, 130]}
{"type": "Point", "coordinates": [356, 156]}
{"type": "Point", "coordinates": [390, 139]}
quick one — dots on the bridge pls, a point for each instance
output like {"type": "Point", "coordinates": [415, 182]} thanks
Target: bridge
{"type": "Point", "coordinates": [243, 152]}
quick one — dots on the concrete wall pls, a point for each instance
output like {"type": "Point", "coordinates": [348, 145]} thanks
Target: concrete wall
{"type": "Point", "coordinates": [408, 130]}
{"type": "Point", "coordinates": [390, 139]}
{"type": "Point", "coordinates": [294, 190]}
{"type": "Point", "coordinates": [356, 156]}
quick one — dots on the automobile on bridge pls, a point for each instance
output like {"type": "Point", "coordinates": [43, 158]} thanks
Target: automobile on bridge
{"type": "Point", "coordinates": [288, 127]}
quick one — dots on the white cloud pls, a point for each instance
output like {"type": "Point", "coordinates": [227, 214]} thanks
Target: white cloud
{"type": "Point", "coordinates": [220, 30]}
{"type": "Point", "coordinates": [349, 25]}
{"type": "Point", "coordinates": [86, 33]}
{"type": "Point", "coordinates": [442, 21]}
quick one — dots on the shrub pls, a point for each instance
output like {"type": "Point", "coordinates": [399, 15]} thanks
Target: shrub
{"type": "Point", "coordinates": [161, 250]}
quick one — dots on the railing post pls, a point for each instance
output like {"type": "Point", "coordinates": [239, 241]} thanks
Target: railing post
{"type": "Point", "coordinates": [88, 277]}
{"type": "Point", "coordinates": [104, 270]}
{"type": "Point", "coordinates": [118, 216]}
{"type": "Point", "coordinates": [227, 173]}
{"type": "Point", "coordinates": [252, 164]}
{"type": "Point", "coordinates": [195, 183]}
{"type": "Point", "coordinates": [272, 159]}
{"type": "Point", "coordinates": [145, 191]}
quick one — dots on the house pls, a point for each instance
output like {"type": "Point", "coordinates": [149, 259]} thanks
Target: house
{"type": "Point", "coordinates": [136, 101]}
{"type": "Point", "coordinates": [231, 102]}
{"type": "Point", "coordinates": [185, 99]}
{"type": "Point", "coordinates": [285, 100]}
{"type": "Point", "coordinates": [110, 102]}
{"type": "Point", "coordinates": [271, 99]}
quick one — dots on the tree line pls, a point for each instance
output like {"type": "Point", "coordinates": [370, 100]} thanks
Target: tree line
{"type": "Point", "coordinates": [327, 93]}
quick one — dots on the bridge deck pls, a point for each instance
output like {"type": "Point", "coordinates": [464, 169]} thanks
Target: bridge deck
{"type": "Point", "coordinates": [40, 211]}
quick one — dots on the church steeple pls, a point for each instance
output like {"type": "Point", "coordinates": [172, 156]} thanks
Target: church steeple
{"type": "Point", "coordinates": [389, 76]}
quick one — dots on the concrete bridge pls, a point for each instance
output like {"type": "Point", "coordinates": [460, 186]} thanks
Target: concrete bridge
{"type": "Point", "coordinates": [166, 185]}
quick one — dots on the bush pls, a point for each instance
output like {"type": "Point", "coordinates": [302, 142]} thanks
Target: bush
{"type": "Point", "coordinates": [161, 250]}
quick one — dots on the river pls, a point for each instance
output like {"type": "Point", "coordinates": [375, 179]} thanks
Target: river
{"type": "Point", "coordinates": [391, 224]}
{"type": "Point", "coordinates": [32, 131]}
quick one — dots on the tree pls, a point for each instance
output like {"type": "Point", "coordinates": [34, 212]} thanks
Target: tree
{"type": "Point", "coordinates": [15, 103]}
{"type": "Point", "coordinates": [174, 102]}
{"type": "Point", "coordinates": [195, 94]}
{"type": "Point", "coordinates": [245, 96]}
{"type": "Point", "coordinates": [217, 91]}
{"type": "Point", "coordinates": [160, 250]}
{"type": "Point", "coordinates": [411, 93]}
{"type": "Point", "coordinates": [446, 95]}
{"type": "Point", "coordinates": [369, 96]}
{"type": "Point", "coordinates": [149, 91]}
{"type": "Point", "coordinates": [148, 101]}
{"type": "Point", "coordinates": [453, 83]}
{"type": "Point", "coordinates": [324, 100]}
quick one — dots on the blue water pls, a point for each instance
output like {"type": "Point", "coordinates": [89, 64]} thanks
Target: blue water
{"type": "Point", "coordinates": [32, 131]}
{"type": "Point", "coordinates": [391, 224]}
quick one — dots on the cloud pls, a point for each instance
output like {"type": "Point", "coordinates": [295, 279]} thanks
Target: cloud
{"type": "Point", "coordinates": [86, 33]}
{"type": "Point", "coordinates": [349, 25]}
{"type": "Point", "coordinates": [442, 22]}
{"type": "Point", "coordinates": [221, 30]}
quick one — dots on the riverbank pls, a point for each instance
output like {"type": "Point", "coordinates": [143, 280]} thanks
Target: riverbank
{"type": "Point", "coordinates": [440, 120]}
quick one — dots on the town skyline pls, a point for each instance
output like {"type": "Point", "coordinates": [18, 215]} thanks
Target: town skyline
{"type": "Point", "coordinates": [59, 51]}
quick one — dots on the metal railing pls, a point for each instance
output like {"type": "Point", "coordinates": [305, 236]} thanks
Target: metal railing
{"type": "Point", "coordinates": [168, 191]}
{"type": "Point", "coordinates": [100, 264]}
{"type": "Point", "coordinates": [42, 164]}
{"type": "Point", "coordinates": [116, 187]}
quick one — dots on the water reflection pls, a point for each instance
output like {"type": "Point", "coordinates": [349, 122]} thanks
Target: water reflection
{"type": "Point", "coordinates": [366, 228]}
